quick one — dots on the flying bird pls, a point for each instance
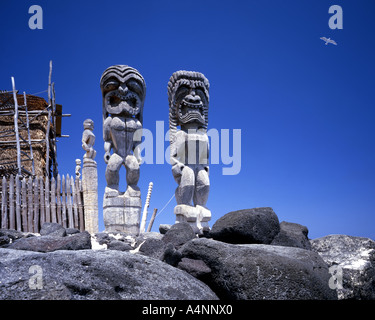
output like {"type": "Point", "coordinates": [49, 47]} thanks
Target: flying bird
{"type": "Point", "coordinates": [329, 40]}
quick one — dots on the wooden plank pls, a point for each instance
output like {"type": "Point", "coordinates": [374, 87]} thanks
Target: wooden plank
{"type": "Point", "coordinates": [58, 200]}
{"type": "Point", "coordinates": [75, 203]}
{"type": "Point", "coordinates": [63, 202]}
{"type": "Point", "coordinates": [24, 205]}
{"type": "Point", "coordinates": [53, 200]}
{"type": "Point", "coordinates": [69, 203]}
{"type": "Point", "coordinates": [30, 205]}
{"type": "Point", "coordinates": [80, 207]}
{"type": "Point", "coordinates": [18, 204]}
{"type": "Point", "coordinates": [36, 206]}
{"type": "Point", "coordinates": [42, 216]}
{"type": "Point", "coordinates": [47, 206]}
{"type": "Point", "coordinates": [12, 218]}
{"type": "Point", "coordinates": [4, 204]}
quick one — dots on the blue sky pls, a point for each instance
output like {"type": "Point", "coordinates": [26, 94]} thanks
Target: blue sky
{"type": "Point", "coordinates": [306, 111]}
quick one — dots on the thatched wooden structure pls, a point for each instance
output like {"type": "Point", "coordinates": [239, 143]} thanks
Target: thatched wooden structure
{"type": "Point", "coordinates": [37, 120]}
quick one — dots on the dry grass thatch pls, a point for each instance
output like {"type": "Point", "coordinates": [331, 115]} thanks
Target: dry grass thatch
{"type": "Point", "coordinates": [38, 125]}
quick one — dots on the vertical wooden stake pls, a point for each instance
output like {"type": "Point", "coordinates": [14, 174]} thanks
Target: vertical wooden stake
{"type": "Point", "coordinates": [69, 203]}
{"type": "Point", "coordinates": [12, 224]}
{"type": "Point", "coordinates": [30, 215]}
{"type": "Point", "coordinates": [80, 207]}
{"type": "Point", "coordinates": [18, 203]}
{"type": "Point", "coordinates": [63, 201]}
{"type": "Point", "coordinates": [47, 204]}
{"type": "Point", "coordinates": [58, 198]}
{"type": "Point", "coordinates": [53, 200]}
{"type": "Point", "coordinates": [42, 207]}
{"type": "Point", "coordinates": [36, 206]}
{"type": "Point", "coordinates": [24, 205]}
{"type": "Point", "coordinates": [4, 205]}
{"type": "Point", "coordinates": [152, 220]}
{"type": "Point", "coordinates": [75, 202]}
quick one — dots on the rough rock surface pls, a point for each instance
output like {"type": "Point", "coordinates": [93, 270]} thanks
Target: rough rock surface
{"type": "Point", "coordinates": [152, 247]}
{"type": "Point", "coordinates": [119, 245]}
{"type": "Point", "coordinates": [197, 268]}
{"type": "Point", "coordinates": [90, 274]}
{"type": "Point", "coordinates": [104, 240]}
{"type": "Point", "coordinates": [52, 229]}
{"type": "Point", "coordinates": [292, 235]}
{"type": "Point", "coordinates": [291, 267]}
{"type": "Point", "coordinates": [256, 271]}
{"type": "Point", "coordinates": [179, 234]}
{"type": "Point", "coordinates": [13, 234]}
{"type": "Point", "coordinates": [47, 243]}
{"type": "Point", "coordinates": [163, 228]}
{"type": "Point", "coordinates": [352, 259]}
{"type": "Point", "coordinates": [258, 225]}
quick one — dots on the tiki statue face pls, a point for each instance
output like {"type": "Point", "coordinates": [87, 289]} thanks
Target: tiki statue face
{"type": "Point", "coordinates": [123, 90]}
{"type": "Point", "coordinates": [188, 98]}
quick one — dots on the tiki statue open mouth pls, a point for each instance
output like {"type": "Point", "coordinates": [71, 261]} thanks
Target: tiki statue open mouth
{"type": "Point", "coordinates": [191, 109]}
{"type": "Point", "coordinates": [128, 103]}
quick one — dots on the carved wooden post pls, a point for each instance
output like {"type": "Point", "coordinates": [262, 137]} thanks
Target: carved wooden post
{"type": "Point", "coordinates": [122, 126]}
{"type": "Point", "coordinates": [147, 203]}
{"type": "Point", "coordinates": [90, 195]}
{"type": "Point", "coordinates": [90, 179]}
{"type": "Point", "coordinates": [194, 184]}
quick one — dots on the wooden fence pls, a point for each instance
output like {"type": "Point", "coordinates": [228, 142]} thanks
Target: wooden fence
{"type": "Point", "coordinates": [27, 203]}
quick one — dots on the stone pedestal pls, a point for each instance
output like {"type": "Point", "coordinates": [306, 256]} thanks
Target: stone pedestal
{"type": "Point", "coordinates": [90, 194]}
{"type": "Point", "coordinates": [122, 211]}
{"type": "Point", "coordinates": [197, 216]}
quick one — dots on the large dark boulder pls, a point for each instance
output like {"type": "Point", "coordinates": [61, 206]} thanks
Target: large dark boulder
{"type": "Point", "coordinates": [52, 229]}
{"type": "Point", "coordinates": [178, 234]}
{"type": "Point", "coordinates": [94, 275]}
{"type": "Point", "coordinates": [119, 245]}
{"type": "Point", "coordinates": [152, 247]}
{"type": "Point", "coordinates": [292, 235]}
{"type": "Point", "coordinates": [351, 261]}
{"type": "Point", "coordinates": [79, 241]}
{"type": "Point", "coordinates": [257, 271]}
{"type": "Point", "coordinates": [12, 234]}
{"type": "Point", "coordinates": [258, 225]}
{"type": "Point", "coordinates": [163, 228]}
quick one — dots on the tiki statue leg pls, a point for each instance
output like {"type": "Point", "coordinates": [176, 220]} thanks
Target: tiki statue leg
{"type": "Point", "coordinates": [184, 192]}
{"type": "Point", "coordinates": [132, 170]}
{"type": "Point", "coordinates": [202, 188]}
{"type": "Point", "coordinates": [112, 171]}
